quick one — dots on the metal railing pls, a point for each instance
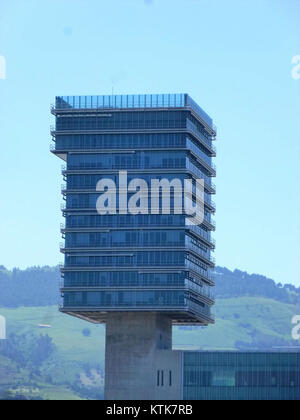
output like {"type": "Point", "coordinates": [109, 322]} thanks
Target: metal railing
{"type": "Point", "coordinates": [210, 221]}
{"type": "Point", "coordinates": [91, 102]}
{"type": "Point", "coordinates": [200, 251]}
{"type": "Point", "coordinates": [206, 274]}
{"type": "Point", "coordinates": [207, 159]}
{"type": "Point", "coordinates": [193, 129]}
{"type": "Point", "coordinates": [203, 290]}
{"type": "Point", "coordinates": [198, 309]}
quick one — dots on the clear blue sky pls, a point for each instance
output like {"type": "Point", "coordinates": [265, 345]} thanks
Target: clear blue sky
{"type": "Point", "coordinates": [233, 57]}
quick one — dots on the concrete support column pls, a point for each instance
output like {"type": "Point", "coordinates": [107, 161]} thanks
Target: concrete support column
{"type": "Point", "coordinates": [133, 342]}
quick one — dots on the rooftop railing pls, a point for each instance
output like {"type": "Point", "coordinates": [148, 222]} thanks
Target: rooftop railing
{"type": "Point", "coordinates": [190, 102]}
{"type": "Point", "coordinates": [171, 100]}
{"type": "Point", "coordinates": [120, 101]}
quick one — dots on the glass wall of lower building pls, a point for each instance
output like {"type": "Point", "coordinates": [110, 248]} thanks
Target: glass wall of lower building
{"type": "Point", "coordinates": [241, 376]}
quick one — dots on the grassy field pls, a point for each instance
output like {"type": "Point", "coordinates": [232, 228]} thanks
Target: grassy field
{"type": "Point", "coordinates": [66, 331]}
{"type": "Point", "coordinates": [238, 320]}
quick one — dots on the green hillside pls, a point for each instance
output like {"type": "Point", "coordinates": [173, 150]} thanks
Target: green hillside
{"type": "Point", "coordinates": [66, 361]}
{"type": "Point", "coordinates": [18, 383]}
{"type": "Point", "coordinates": [66, 331]}
{"type": "Point", "coordinates": [243, 323]}
{"type": "Point", "coordinates": [75, 369]}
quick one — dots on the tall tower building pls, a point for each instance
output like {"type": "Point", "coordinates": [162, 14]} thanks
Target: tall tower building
{"type": "Point", "coordinates": [138, 273]}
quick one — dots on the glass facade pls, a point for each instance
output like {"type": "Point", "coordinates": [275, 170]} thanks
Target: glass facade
{"type": "Point", "coordinates": [144, 262]}
{"type": "Point", "coordinates": [241, 376]}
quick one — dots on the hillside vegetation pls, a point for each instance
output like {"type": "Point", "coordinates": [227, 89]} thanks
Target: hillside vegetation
{"type": "Point", "coordinates": [66, 361]}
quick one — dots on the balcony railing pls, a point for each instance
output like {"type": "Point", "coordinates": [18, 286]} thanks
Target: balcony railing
{"type": "Point", "coordinates": [206, 274]}
{"type": "Point", "coordinates": [202, 233]}
{"type": "Point", "coordinates": [193, 168]}
{"type": "Point", "coordinates": [193, 129]}
{"type": "Point", "coordinates": [208, 160]}
{"type": "Point", "coordinates": [201, 291]}
{"type": "Point", "coordinates": [198, 309]}
{"type": "Point", "coordinates": [200, 251]}
{"type": "Point", "coordinates": [205, 291]}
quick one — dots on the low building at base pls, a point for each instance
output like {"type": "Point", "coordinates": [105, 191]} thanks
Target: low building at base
{"type": "Point", "coordinates": [141, 365]}
{"type": "Point", "coordinates": [216, 376]}
{"type": "Point", "coordinates": [241, 376]}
